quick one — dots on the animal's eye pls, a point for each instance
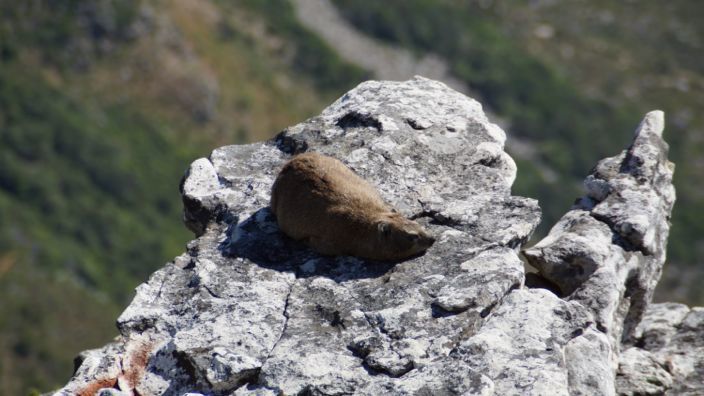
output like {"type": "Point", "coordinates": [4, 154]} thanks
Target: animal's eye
{"type": "Point", "coordinates": [384, 228]}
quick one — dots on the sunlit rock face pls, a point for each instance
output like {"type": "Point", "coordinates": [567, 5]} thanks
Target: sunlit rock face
{"type": "Point", "coordinates": [607, 253]}
{"type": "Point", "coordinates": [248, 311]}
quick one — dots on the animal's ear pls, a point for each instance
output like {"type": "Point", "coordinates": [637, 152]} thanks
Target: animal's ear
{"type": "Point", "coordinates": [384, 227]}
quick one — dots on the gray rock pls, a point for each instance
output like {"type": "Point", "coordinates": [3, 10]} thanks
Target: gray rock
{"type": "Point", "coordinates": [247, 311]}
{"type": "Point", "coordinates": [607, 252]}
{"type": "Point", "coordinates": [522, 346]}
{"type": "Point", "coordinates": [671, 360]}
{"type": "Point", "coordinates": [640, 374]}
{"type": "Point", "coordinates": [659, 324]}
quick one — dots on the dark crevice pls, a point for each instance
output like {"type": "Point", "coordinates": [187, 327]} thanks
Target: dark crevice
{"type": "Point", "coordinates": [437, 219]}
{"type": "Point", "coordinates": [357, 120]}
{"type": "Point", "coordinates": [191, 263]}
{"type": "Point", "coordinates": [414, 124]}
{"type": "Point", "coordinates": [283, 330]}
{"type": "Point", "coordinates": [440, 312]}
{"type": "Point", "coordinates": [245, 377]}
{"type": "Point", "coordinates": [184, 363]}
{"type": "Point", "coordinates": [379, 327]}
{"type": "Point", "coordinates": [577, 333]}
{"type": "Point", "coordinates": [314, 390]}
{"type": "Point", "coordinates": [639, 343]}
{"type": "Point", "coordinates": [362, 349]}
{"type": "Point", "coordinates": [332, 317]}
{"type": "Point", "coordinates": [491, 162]}
{"type": "Point", "coordinates": [516, 243]}
{"type": "Point", "coordinates": [139, 325]}
{"type": "Point", "coordinates": [291, 144]}
{"type": "Point", "coordinates": [196, 216]}
{"type": "Point", "coordinates": [486, 311]}
{"type": "Point", "coordinates": [636, 294]}
{"type": "Point", "coordinates": [158, 293]}
{"type": "Point", "coordinates": [212, 293]}
{"type": "Point", "coordinates": [602, 328]}
{"type": "Point", "coordinates": [371, 371]}
{"type": "Point", "coordinates": [619, 239]}
{"type": "Point", "coordinates": [534, 280]}
{"type": "Point", "coordinates": [224, 182]}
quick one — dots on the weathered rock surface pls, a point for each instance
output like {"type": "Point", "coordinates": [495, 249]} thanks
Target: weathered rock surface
{"type": "Point", "coordinates": [607, 252]}
{"type": "Point", "coordinates": [247, 311]}
{"type": "Point", "coordinates": [668, 357]}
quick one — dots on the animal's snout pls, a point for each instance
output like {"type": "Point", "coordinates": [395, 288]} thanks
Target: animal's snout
{"type": "Point", "coordinates": [426, 240]}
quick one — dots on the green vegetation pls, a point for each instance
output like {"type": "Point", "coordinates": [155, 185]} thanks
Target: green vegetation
{"type": "Point", "coordinates": [78, 187]}
{"type": "Point", "coordinates": [67, 33]}
{"type": "Point", "coordinates": [98, 121]}
{"type": "Point", "coordinates": [330, 74]}
{"type": "Point", "coordinates": [87, 194]}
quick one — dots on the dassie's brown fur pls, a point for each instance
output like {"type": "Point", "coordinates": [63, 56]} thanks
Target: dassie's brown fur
{"type": "Point", "coordinates": [320, 201]}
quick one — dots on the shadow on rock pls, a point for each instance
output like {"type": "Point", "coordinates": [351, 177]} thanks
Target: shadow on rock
{"type": "Point", "coordinates": [259, 240]}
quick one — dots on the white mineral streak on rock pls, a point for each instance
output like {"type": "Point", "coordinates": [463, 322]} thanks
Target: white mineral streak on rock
{"type": "Point", "coordinates": [247, 311]}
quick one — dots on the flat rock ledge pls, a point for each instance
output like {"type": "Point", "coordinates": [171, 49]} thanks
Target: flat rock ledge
{"type": "Point", "coordinates": [247, 311]}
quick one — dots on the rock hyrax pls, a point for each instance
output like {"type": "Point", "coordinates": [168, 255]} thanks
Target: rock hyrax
{"type": "Point", "coordinates": [320, 201]}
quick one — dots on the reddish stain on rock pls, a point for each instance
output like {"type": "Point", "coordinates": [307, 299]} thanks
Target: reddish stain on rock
{"type": "Point", "coordinates": [134, 370]}
{"type": "Point", "coordinates": [95, 386]}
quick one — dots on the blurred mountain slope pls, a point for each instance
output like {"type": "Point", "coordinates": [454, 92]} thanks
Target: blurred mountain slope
{"type": "Point", "coordinates": [103, 104]}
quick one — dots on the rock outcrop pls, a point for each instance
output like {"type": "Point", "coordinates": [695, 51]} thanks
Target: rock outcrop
{"type": "Point", "coordinates": [247, 311]}
{"type": "Point", "coordinates": [607, 252]}
{"type": "Point", "coordinates": [668, 354]}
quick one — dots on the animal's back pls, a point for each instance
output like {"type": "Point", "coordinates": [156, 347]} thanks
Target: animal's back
{"type": "Point", "coordinates": [318, 200]}
{"type": "Point", "coordinates": [313, 190]}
